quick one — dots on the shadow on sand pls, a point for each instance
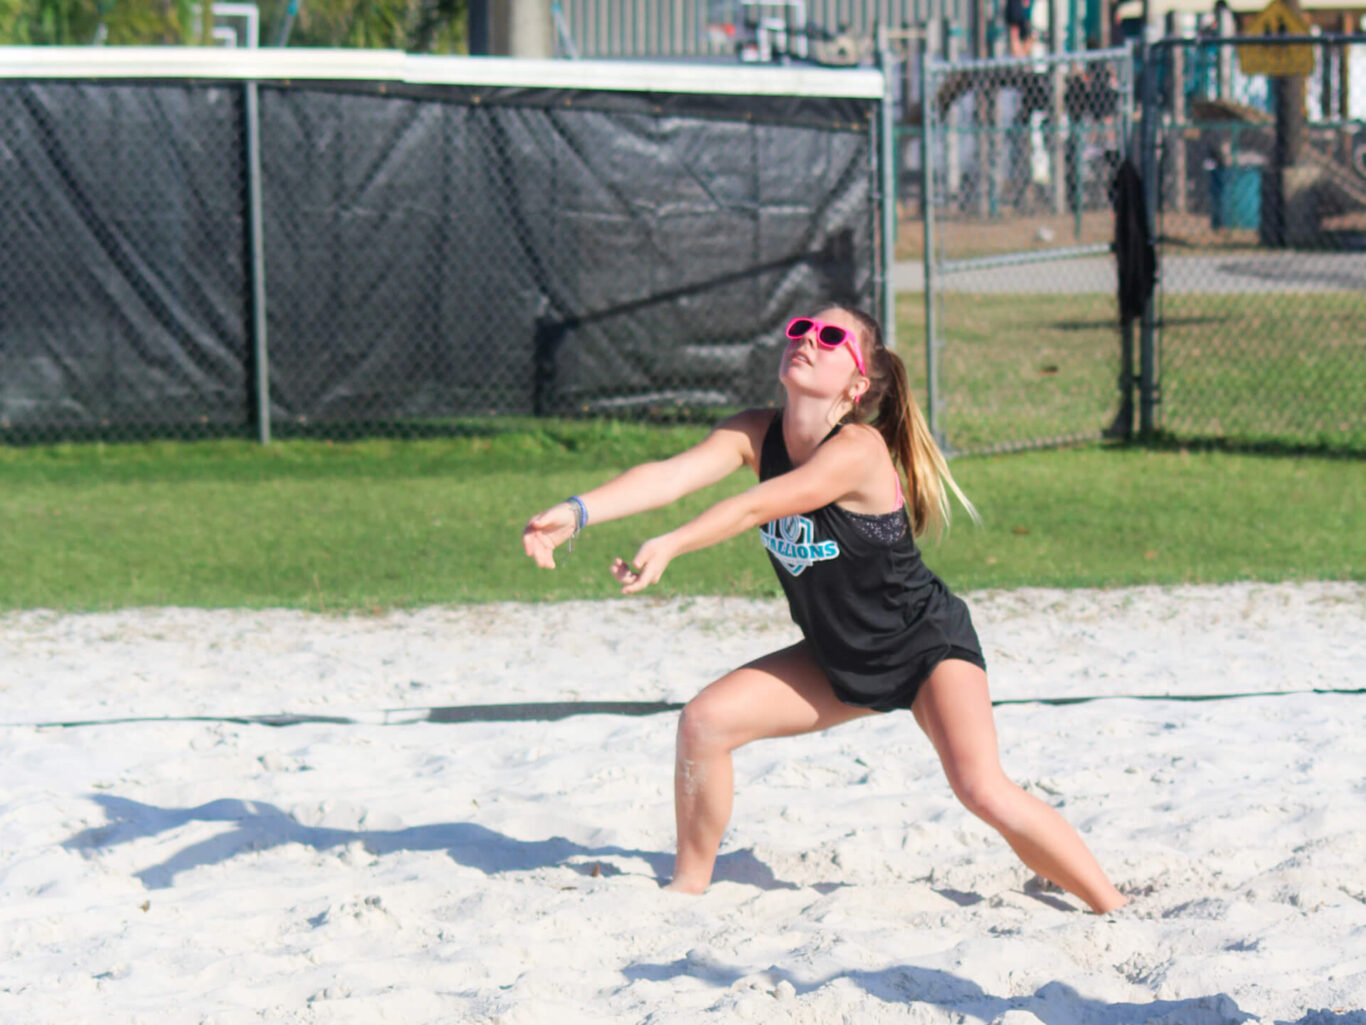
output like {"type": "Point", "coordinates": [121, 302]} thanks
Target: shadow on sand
{"type": "Point", "coordinates": [1053, 1004]}
{"type": "Point", "coordinates": [260, 826]}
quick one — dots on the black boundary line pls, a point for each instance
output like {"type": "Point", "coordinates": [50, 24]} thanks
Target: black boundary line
{"type": "Point", "coordinates": [558, 710]}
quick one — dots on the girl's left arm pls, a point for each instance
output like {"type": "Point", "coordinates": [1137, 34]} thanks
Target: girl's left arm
{"type": "Point", "coordinates": [730, 445]}
{"type": "Point", "coordinates": [836, 470]}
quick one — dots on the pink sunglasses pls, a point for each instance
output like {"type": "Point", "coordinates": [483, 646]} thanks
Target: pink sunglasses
{"type": "Point", "coordinates": [828, 336]}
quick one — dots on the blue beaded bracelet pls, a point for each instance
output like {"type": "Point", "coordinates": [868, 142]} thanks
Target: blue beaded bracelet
{"type": "Point", "coordinates": [580, 515]}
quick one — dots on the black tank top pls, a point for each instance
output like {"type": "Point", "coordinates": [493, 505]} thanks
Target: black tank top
{"type": "Point", "coordinates": [877, 619]}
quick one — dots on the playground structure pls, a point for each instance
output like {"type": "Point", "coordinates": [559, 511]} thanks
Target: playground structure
{"type": "Point", "coordinates": [1326, 168]}
{"type": "Point", "coordinates": [1283, 155]}
{"type": "Point", "coordinates": [1026, 138]}
{"type": "Point", "coordinates": [1292, 146]}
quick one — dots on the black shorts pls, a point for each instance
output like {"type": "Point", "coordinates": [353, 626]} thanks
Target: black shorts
{"type": "Point", "coordinates": [1018, 14]}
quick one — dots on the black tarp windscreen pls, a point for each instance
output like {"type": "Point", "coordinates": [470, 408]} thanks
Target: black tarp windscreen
{"type": "Point", "coordinates": [122, 278]}
{"type": "Point", "coordinates": [429, 256]}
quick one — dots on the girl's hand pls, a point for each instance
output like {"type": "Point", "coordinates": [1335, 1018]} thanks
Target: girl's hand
{"type": "Point", "coordinates": [546, 531]}
{"type": "Point", "coordinates": [646, 568]}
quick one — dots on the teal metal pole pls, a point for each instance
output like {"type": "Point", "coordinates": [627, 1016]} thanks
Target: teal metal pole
{"type": "Point", "coordinates": [287, 26]}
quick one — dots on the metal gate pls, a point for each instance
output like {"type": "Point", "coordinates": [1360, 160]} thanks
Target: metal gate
{"type": "Point", "coordinates": [1017, 171]}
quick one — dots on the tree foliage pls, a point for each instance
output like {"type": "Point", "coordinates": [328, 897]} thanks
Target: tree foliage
{"type": "Point", "coordinates": [421, 26]}
{"type": "Point", "coordinates": [117, 22]}
{"type": "Point", "coordinates": [425, 26]}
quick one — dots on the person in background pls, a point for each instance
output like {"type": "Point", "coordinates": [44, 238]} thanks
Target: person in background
{"type": "Point", "coordinates": [1019, 29]}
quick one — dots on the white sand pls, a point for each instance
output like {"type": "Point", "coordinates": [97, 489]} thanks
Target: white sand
{"type": "Point", "coordinates": [508, 872]}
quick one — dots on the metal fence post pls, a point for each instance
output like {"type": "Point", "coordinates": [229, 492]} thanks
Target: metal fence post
{"type": "Point", "coordinates": [927, 101]}
{"type": "Point", "coordinates": [1147, 347]}
{"type": "Point", "coordinates": [887, 155]}
{"type": "Point", "coordinates": [257, 263]}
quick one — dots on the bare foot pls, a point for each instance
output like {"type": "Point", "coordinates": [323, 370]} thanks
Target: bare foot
{"type": "Point", "coordinates": [690, 886]}
{"type": "Point", "coordinates": [1114, 905]}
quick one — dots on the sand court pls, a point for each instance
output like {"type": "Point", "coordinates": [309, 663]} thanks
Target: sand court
{"type": "Point", "coordinates": [370, 865]}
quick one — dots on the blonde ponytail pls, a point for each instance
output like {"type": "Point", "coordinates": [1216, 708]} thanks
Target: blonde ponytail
{"type": "Point", "coordinates": [891, 409]}
{"type": "Point", "coordinates": [927, 471]}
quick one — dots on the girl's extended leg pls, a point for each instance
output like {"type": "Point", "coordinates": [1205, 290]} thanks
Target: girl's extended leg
{"type": "Point", "coordinates": [954, 709]}
{"type": "Point", "coordinates": [779, 695]}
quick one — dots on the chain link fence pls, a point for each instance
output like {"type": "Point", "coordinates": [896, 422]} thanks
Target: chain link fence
{"type": "Point", "coordinates": [408, 255]}
{"type": "Point", "coordinates": [217, 253]}
{"type": "Point", "coordinates": [1017, 201]}
{"type": "Point", "coordinates": [1260, 199]}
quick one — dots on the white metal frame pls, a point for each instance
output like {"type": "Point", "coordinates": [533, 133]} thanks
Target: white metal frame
{"type": "Point", "coordinates": [277, 64]}
{"type": "Point", "coordinates": [249, 13]}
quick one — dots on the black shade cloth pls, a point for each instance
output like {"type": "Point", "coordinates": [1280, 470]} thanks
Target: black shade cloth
{"type": "Point", "coordinates": [430, 253]}
{"type": "Point", "coordinates": [122, 275]}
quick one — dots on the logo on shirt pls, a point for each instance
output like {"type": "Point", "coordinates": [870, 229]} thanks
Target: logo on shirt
{"type": "Point", "coordinates": [789, 541]}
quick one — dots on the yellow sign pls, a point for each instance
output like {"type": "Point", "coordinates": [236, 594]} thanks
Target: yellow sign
{"type": "Point", "coordinates": [1278, 18]}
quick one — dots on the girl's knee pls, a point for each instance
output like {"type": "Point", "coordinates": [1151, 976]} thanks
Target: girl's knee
{"type": "Point", "coordinates": [703, 726]}
{"type": "Point", "coordinates": [988, 794]}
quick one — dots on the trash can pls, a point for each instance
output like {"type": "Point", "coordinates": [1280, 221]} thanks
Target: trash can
{"type": "Point", "coordinates": [1235, 197]}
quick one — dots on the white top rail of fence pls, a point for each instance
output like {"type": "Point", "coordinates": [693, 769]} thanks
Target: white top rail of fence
{"type": "Point", "coordinates": [270, 64]}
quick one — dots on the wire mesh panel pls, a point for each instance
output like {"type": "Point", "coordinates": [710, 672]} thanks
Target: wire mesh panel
{"type": "Point", "coordinates": [1262, 226]}
{"type": "Point", "coordinates": [433, 253]}
{"type": "Point", "coordinates": [400, 276]}
{"type": "Point", "coordinates": [1020, 281]}
{"type": "Point", "coordinates": [835, 32]}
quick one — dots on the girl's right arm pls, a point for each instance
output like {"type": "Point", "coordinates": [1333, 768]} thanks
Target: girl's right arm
{"type": "Point", "coordinates": [733, 443]}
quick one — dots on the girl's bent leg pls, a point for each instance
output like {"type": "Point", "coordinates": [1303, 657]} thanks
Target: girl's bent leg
{"type": "Point", "coordinates": [954, 709]}
{"type": "Point", "coordinates": [779, 695]}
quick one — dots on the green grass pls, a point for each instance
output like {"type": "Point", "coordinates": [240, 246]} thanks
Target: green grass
{"type": "Point", "coordinates": [1263, 367]}
{"type": "Point", "coordinates": [1018, 368]}
{"type": "Point", "coordinates": [375, 525]}
{"type": "Point", "coordinates": [382, 524]}
{"type": "Point", "coordinates": [1283, 369]}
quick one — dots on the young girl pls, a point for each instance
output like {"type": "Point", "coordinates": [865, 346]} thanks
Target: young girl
{"type": "Point", "coordinates": [880, 630]}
